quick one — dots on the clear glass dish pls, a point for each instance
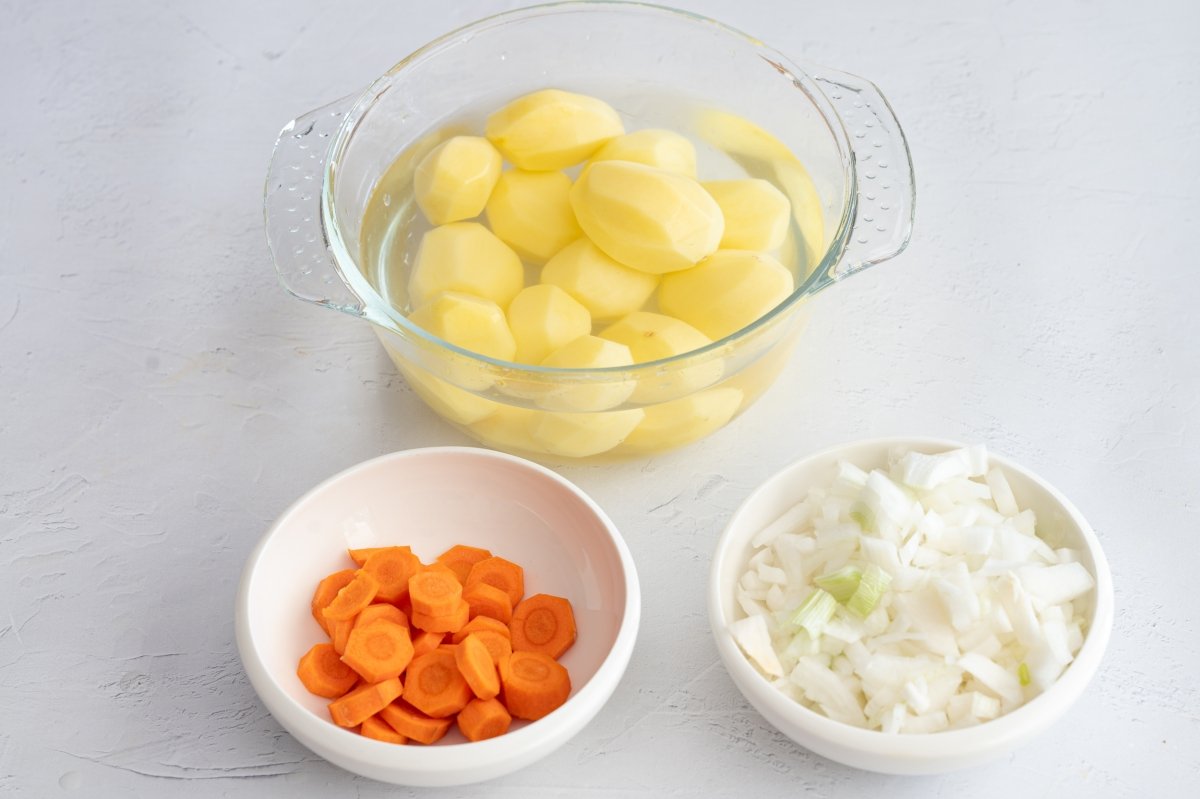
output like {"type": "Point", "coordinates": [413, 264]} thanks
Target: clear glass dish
{"type": "Point", "coordinates": [829, 140]}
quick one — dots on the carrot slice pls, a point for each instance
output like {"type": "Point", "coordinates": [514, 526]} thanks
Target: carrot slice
{"type": "Point", "coordinates": [360, 704]}
{"type": "Point", "coordinates": [543, 623]}
{"type": "Point", "coordinates": [501, 573]}
{"type": "Point", "coordinates": [434, 592]}
{"type": "Point", "coordinates": [483, 718]}
{"type": "Point", "coordinates": [498, 646]}
{"type": "Point", "coordinates": [407, 720]}
{"type": "Point", "coordinates": [534, 684]}
{"type": "Point", "coordinates": [480, 623]}
{"type": "Point", "coordinates": [392, 567]}
{"type": "Point", "coordinates": [444, 569]}
{"type": "Point", "coordinates": [327, 589]}
{"type": "Point", "coordinates": [434, 685]}
{"type": "Point", "coordinates": [339, 633]}
{"type": "Point", "coordinates": [375, 727]}
{"type": "Point", "coordinates": [488, 600]}
{"type": "Point", "coordinates": [424, 641]}
{"type": "Point", "coordinates": [381, 611]}
{"type": "Point", "coordinates": [378, 650]}
{"type": "Point", "coordinates": [359, 556]}
{"type": "Point", "coordinates": [449, 623]}
{"type": "Point", "coordinates": [460, 558]}
{"type": "Point", "coordinates": [475, 663]}
{"type": "Point", "coordinates": [353, 597]}
{"type": "Point", "coordinates": [324, 674]}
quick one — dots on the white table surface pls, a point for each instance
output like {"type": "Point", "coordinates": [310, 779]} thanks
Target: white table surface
{"type": "Point", "coordinates": [162, 399]}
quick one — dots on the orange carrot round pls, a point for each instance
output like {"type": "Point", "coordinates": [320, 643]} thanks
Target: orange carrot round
{"type": "Point", "coordinates": [327, 589]}
{"type": "Point", "coordinates": [444, 569]}
{"type": "Point", "coordinates": [534, 684]}
{"type": "Point", "coordinates": [449, 623]}
{"type": "Point", "coordinates": [407, 720]}
{"type": "Point", "coordinates": [480, 623]}
{"type": "Point", "coordinates": [392, 567]}
{"type": "Point", "coordinates": [339, 633]}
{"type": "Point", "coordinates": [460, 558]}
{"type": "Point", "coordinates": [483, 718]}
{"type": "Point", "coordinates": [353, 597]}
{"type": "Point", "coordinates": [375, 727]}
{"type": "Point", "coordinates": [543, 623]}
{"type": "Point", "coordinates": [434, 685]}
{"type": "Point", "coordinates": [501, 573]}
{"type": "Point", "coordinates": [381, 610]}
{"type": "Point", "coordinates": [476, 666]}
{"type": "Point", "coordinates": [359, 556]}
{"type": "Point", "coordinates": [498, 646]}
{"type": "Point", "coordinates": [488, 600]}
{"type": "Point", "coordinates": [434, 592]}
{"type": "Point", "coordinates": [363, 702]}
{"type": "Point", "coordinates": [424, 641]}
{"type": "Point", "coordinates": [324, 674]}
{"type": "Point", "coordinates": [379, 650]}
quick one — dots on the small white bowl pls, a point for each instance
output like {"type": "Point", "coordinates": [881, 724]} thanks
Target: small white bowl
{"type": "Point", "coordinates": [915, 753]}
{"type": "Point", "coordinates": [432, 499]}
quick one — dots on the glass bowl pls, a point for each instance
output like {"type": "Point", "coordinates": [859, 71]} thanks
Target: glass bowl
{"type": "Point", "coordinates": [828, 140]}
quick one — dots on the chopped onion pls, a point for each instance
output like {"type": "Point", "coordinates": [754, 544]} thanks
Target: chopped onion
{"type": "Point", "coordinates": [911, 599]}
{"type": "Point", "coordinates": [842, 583]}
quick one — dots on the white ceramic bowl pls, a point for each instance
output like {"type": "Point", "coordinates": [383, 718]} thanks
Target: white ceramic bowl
{"type": "Point", "coordinates": [432, 499]}
{"type": "Point", "coordinates": [869, 749]}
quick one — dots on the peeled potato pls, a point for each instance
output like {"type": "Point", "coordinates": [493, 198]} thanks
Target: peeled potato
{"type": "Point", "coordinates": [530, 212]}
{"type": "Point", "coordinates": [552, 129]}
{"type": "Point", "coordinates": [544, 318]}
{"type": "Point", "coordinates": [647, 219]}
{"type": "Point", "coordinates": [509, 428]}
{"type": "Point", "coordinates": [662, 149]}
{"type": "Point", "coordinates": [652, 337]}
{"type": "Point", "coordinates": [756, 213]}
{"type": "Point", "coordinates": [453, 182]}
{"type": "Point", "coordinates": [466, 257]}
{"type": "Point", "coordinates": [606, 288]}
{"type": "Point", "coordinates": [682, 421]}
{"type": "Point", "coordinates": [578, 435]}
{"type": "Point", "coordinates": [472, 323]}
{"type": "Point", "coordinates": [726, 291]}
{"type": "Point", "coordinates": [448, 400]}
{"type": "Point", "coordinates": [588, 352]}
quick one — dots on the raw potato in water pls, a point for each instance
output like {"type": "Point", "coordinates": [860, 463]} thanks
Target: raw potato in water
{"type": "Point", "coordinates": [578, 435]}
{"type": "Point", "coordinates": [652, 337]}
{"type": "Point", "coordinates": [544, 318]}
{"type": "Point", "coordinates": [607, 288]}
{"type": "Point", "coordinates": [726, 291]}
{"type": "Point", "coordinates": [530, 212]}
{"type": "Point", "coordinates": [454, 181]}
{"type": "Point", "coordinates": [687, 419]}
{"type": "Point", "coordinates": [756, 213]}
{"type": "Point", "coordinates": [646, 218]}
{"type": "Point", "coordinates": [470, 322]}
{"type": "Point", "coordinates": [552, 129]}
{"type": "Point", "coordinates": [466, 257]}
{"type": "Point", "coordinates": [662, 149]}
{"type": "Point", "coordinates": [588, 352]}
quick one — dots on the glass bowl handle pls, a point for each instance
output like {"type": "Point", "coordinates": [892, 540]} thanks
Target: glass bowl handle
{"type": "Point", "coordinates": [292, 209]}
{"type": "Point", "coordinates": [885, 195]}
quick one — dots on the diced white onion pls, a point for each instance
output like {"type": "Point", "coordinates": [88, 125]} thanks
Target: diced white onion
{"type": "Point", "coordinates": [969, 613]}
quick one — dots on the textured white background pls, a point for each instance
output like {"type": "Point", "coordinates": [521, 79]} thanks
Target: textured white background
{"type": "Point", "coordinates": [162, 399]}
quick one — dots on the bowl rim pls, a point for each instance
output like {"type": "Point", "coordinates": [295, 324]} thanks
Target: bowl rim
{"type": "Point", "coordinates": [794, 71]}
{"type": "Point", "coordinates": [546, 734]}
{"type": "Point", "coordinates": [1006, 730]}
